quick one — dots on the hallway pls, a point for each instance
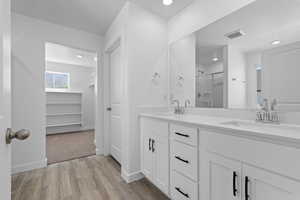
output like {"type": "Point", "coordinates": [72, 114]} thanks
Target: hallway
{"type": "Point", "coordinates": [91, 178]}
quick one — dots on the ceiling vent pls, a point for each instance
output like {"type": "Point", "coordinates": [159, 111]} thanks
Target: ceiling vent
{"type": "Point", "coordinates": [235, 34]}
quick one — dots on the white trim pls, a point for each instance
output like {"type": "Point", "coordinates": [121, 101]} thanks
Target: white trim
{"type": "Point", "coordinates": [131, 177]}
{"type": "Point", "coordinates": [98, 152]}
{"type": "Point", "coordinates": [29, 166]}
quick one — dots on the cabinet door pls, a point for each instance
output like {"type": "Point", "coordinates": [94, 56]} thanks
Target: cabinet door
{"type": "Point", "coordinates": [147, 156]}
{"type": "Point", "coordinates": [264, 185]}
{"type": "Point", "coordinates": [224, 178]}
{"type": "Point", "coordinates": [161, 149]}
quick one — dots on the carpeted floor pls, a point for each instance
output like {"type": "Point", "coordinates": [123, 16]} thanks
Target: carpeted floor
{"type": "Point", "coordinates": [68, 146]}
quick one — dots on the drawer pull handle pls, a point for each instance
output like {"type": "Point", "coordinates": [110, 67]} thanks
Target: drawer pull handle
{"type": "Point", "coordinates": [150, 144]}
{"type": "Point", "coordinates": [247, 180]}
{"type": "Point", "coordinates": [184, 194]}
{"type": "Point", "coordinates": [183, 135]}
{"type": "Point", "coordinates": [153, 141]}
{"type": "Point", "coordinates": [178, 158]}
{"type": "Point", "coordinates": [234, 177]}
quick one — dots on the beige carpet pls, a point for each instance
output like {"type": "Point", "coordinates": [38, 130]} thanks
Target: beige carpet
{"type": "Point", "coordinates": [68, 146]}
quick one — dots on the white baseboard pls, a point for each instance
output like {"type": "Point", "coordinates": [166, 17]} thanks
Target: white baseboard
{"type": "Point", "coordinates": [29, 166]}
{"type": "Point", "coordinates": [98, 152]}
{"type": "Point", "coordinates": [131, 177]}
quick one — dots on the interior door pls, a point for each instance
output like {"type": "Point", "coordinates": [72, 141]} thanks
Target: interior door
{"type": "Point", "coordinates": [264, 185]}
{"type": "Point", "coordinates": [224, 178]}
{"type": "Point", "coordinates": [5, 93]}
{"type": "Point", "coordinates": [115, 102]}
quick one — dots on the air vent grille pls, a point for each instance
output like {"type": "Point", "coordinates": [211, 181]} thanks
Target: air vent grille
{"type": "Point", "coordinates": [235, 34]}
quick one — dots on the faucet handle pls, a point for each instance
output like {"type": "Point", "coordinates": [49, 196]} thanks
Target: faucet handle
{"type": "Point", "coordinates": [273, 104]}
{"type": "Point", "coordinates": [187, 103]}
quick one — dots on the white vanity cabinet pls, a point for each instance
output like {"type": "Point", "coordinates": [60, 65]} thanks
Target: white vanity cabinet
{"type": "Point", "coordinates": [155, 152]}
{"type": "Point", "coordinates": [246, 169]}
{"type": "Point", "coordinates": [188, 161]}
{"type": "Point", "coordinates": [264, 185]}
{"type": "Point", "coordinates": [224, 178]}
{"type": "Point", "coordinates": [229, 180]}
{"type": "Point", "coordinates": [183, 162]}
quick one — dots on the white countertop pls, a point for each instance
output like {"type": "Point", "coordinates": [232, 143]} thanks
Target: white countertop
{"type": "Point", "coordinates": [286, 134]}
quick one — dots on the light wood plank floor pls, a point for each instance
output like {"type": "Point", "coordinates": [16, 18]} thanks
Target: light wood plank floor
{"type": "Point", "coordinates": [91, 178]}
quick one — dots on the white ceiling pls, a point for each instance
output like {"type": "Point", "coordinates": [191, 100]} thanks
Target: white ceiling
{"type": "Point", "coordinates": [157, 7]}
{"type": "Point", "coordinates": [205, 54]}
{"type": "Point", "coordinates": [62, 54]}
{"type": "Point", "coordinates": [263, 22]}
{"type": "Point", "coordinates": [93, 16]}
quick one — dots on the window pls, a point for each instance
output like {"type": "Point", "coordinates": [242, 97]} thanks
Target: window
{"type": "Point", "coordinates": [57, 80]}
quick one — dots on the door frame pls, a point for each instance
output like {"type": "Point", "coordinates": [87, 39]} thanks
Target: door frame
{"type": "Point", "coordinates": [98, 96]}
{"type": "Point", "coordinates": [117, 43]}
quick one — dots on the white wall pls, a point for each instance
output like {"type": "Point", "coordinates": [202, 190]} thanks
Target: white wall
{"type": "Point", "coordinates": [147, 45]}
{"type": "Point", "coordinates": [28, 65]}
{"type": "Point", "coordinates": [116, 34]}
{"type": "Point", "coordinates": [183, 64]}
{"type": "Point", "coordinates": [199, 14]}
{"type": "Point", "coordinates": [80, 77]}
{"type": "Point", "coordinates": [143, 52]}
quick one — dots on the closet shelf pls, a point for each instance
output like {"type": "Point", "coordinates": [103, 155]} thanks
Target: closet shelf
{"type": "Point", "coordinates": [64, 103]}
{"type": "Point", "coordinates": [60, 125]}
{"type": "Point", "coordinates": [65, 92]}
{"type": "Point", "coordinates": [64, 111]}
{"type": "Point", "coordinates": [63, 114]}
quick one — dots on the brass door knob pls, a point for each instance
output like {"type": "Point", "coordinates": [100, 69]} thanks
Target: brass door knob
{"type": "Point", "coordinates": [20, 135]}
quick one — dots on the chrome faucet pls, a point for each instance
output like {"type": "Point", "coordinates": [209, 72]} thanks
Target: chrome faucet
{"type": "Point", "coordinates": [265, 105]}
{"type": "Point", "coordinates": [178, 109]}
{"type": "Point", "coordinates": [268, 114]}
{"type": "Point", "coordinates": [187, 103]}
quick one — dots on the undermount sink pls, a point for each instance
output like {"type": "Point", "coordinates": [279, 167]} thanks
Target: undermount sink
{"type": "Point", "coordinates": [263, 127]}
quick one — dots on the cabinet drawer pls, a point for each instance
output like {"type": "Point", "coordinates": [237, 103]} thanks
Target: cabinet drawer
{"type": "Point", "coordinates": [184, 134]}
{"type": "Point", "coordinates": [184, 159]}
{"type": "Point", "coordinates": [183, 188]}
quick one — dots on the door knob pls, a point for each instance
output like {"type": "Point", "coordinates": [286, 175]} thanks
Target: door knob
{"type": "Point", "coordinates": [108, 109]}
{"type": "Point", "coordinates": [22, 134]}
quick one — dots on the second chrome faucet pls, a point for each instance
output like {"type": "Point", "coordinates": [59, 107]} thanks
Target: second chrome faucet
{"type": "Point", "coordinates": [180, 109]}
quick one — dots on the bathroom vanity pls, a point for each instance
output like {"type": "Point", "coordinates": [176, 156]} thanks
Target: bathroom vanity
{"type": "Point", "coordinates": [248, 60]}
{"type": "Point", "coordinates": [213, 158]}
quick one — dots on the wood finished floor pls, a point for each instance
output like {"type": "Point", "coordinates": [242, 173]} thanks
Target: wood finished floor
{"type": "Point", "coordinates": [91, 178]}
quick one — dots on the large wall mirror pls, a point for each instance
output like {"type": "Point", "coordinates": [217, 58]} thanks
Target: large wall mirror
{"type": "Point", "coordinates": [241, 59]}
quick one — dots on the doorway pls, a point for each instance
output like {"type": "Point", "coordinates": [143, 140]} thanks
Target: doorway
{"type": "Point", "coordinates": [70, 76]}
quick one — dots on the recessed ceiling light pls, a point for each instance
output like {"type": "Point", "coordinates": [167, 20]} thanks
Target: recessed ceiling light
{"type": "Point", "coordinates": [215, 59]}
{"type": "Point", "coordinates": [276, 42]}
{"type": "Point", "coordinates": [167, 2]}
{"type": "Point", "coordinates": [79, 56]}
